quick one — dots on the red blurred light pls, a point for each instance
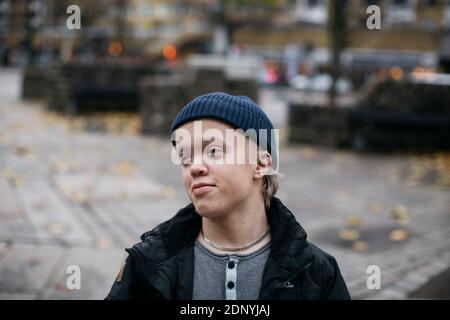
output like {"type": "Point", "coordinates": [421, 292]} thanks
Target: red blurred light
{"type": "Point", "coordinates": [170, 52]}
{"type": "Point", "coordinates": [115, 49]}
{"type": "Point", "coordinates": [271, 76]}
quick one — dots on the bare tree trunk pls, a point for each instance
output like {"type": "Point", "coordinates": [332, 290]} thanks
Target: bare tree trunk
{"type": "Point", "coordinates": [338, 36]}
{"type": "Point", "coordinates": [121, 24]}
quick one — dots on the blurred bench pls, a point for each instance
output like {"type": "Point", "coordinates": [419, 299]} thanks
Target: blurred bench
{"type": "Point", "coordinates": [407, 114]}
{"type": "Point", "coordinates": [93, 87]}
{"type": "Point", "coordinates": [97, 98]}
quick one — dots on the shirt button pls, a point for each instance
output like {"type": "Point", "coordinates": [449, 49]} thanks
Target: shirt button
{"type": "Point", "coordinates": [231, 265]}
{"type": "Point", "coordinates": [230, 285]}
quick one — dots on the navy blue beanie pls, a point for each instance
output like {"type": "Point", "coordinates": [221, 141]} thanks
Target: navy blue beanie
{"type": "Point", "coordinates": [240, 112]}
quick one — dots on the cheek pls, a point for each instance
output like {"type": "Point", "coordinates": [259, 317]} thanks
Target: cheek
{"type": "Point", "coordinates": [186, 179]}
{"type": "Point", "coordinates": [233, 177]}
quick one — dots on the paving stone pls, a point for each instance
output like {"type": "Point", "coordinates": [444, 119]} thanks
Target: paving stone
{"type": "Point", "coordinates": [49, 215]}
{"type": "Point", "coordinates": [98, 269]}
{"type": "Point", "coordinates": [27, 267]}
{"type": "Point", "coordinates": [411, 283]}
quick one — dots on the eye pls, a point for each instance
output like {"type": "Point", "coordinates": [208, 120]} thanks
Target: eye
{"type": "Point", "coordinates": [214, 152]}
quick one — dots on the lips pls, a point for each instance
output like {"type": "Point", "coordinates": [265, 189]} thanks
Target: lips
{"type": "Point", "coordinates": [201, 188]}
{"type": "Point", "coordinates": [200, 185]}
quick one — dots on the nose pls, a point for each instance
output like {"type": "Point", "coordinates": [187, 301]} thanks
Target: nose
{"type": "Point", "coordinates": [198, 167]}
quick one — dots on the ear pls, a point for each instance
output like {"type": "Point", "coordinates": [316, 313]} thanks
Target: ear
{"type": "Point", "coordinates": [263, 164]}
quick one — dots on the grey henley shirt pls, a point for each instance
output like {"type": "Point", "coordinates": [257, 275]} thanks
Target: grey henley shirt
{"type": "Point", "coordinates": [227, 276]}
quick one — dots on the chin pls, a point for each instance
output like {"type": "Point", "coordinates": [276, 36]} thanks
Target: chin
{"type": "Point", "coordinates": [207, 209]}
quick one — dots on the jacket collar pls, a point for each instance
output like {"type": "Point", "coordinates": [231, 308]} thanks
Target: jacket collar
{"type": "Point", "coordinates": [167, 250]}
{"type": "Point", "coordinates": [290, 252]}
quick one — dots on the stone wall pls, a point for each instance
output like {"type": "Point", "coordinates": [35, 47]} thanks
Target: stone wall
{"type": "Point", "coordinates": [161, 99]}
{"type": "Point", "coordinates": [34, 83]}
{"type": "Point", "coordinates": [412, 115]}
{"type": "Point", "coordinates": [76, 88]}
{"type": "Point", "coordinates": [316, 123]}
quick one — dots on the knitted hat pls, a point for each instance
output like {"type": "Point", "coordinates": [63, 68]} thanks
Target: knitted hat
{"type": "Point", "coordinates": [240, 112]}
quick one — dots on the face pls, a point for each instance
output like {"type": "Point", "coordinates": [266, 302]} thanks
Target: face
{"type": "Point", "coordinates": [214, 183]}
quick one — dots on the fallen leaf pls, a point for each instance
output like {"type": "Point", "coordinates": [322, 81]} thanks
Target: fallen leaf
{"type": "Point", "coordinates": [22, 151]}
{"type": "Point", "coordinates": [56, 228]}
{"type": "Point", "coordinates": [360, 246]}
{"type": "Point", "coordinates": [400, 215]}
{"type": "Point", "coordinates": [349, 235]}
{"type": "Point", "coordinates": [354, 221]}
{"type": "Point", "coordinates": [307, 152]}
{"type": "Point", "coordinates": [398, 235]}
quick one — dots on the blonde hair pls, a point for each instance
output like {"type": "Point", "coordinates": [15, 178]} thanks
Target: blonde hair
{"type": "Point", "coordinates": [270, 187]}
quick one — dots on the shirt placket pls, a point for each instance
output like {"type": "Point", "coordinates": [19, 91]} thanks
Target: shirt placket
{"type": "Point", "coordinates": [231, 279]}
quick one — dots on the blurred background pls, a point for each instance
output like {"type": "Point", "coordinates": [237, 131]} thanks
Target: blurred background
{"type": "Point", "coordinates": [85, 111]}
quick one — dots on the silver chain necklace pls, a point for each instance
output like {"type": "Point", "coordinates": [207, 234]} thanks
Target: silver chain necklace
{"type": "Point", "coordinates": [222, 248]}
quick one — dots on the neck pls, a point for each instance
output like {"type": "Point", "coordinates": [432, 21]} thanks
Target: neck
{"type": "Point", "coordinates": [239, 227]}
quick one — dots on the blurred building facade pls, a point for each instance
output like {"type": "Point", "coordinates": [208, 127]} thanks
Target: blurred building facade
{"type": "Point", "coordinates": [35, 29]}
{"type": "Point", "coordinates": [132, 26]}
{"type": "Point", "coordinates": [414, 33]}
{"type": "Point", "coordinates": [428, 14]}
{"type": "Point", "coordinates": [308, 20]}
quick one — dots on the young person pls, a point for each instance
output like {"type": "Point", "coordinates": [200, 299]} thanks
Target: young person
{"type": "Point", "coordinates": [235, 240]}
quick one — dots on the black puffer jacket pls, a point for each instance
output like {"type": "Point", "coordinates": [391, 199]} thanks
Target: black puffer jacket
{"type": "Point", "coordinates": [162, 265]}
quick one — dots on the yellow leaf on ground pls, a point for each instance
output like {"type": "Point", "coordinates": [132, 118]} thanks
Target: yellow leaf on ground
{"type": "Point", "coordinates": [123, 167]}
{"type": "Point", "coordinates": [354, 221]}
{"type": "Point", "coordinates": [398, 235]}
{"type": "Point", "coordinates": [360, 246]}
{"type": "Point", "coordinates": [307, 152]}
{"type": "Point", "coordinates": [56, 228]}
{"type": "Point", "coordinates": [400, 214]}
{"type": "Point", "coordinates": [349, 235]}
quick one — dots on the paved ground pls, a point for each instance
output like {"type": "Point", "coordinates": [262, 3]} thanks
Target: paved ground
{"type": "Point", "coordinates": [70, 196]}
